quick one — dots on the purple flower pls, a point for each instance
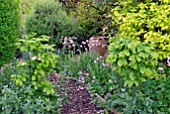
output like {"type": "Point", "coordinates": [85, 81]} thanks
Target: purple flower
{"type": "Point", "coordinates": [64, 43]}
{"type": "Point", "coordinates": [81, 79]}
{"type": "Point", "coordinates": [73, 45]}
{"type": "Point", "coordinates": [106, 64]}
{"type": "Point", "coordinates": [80, 73]}
{"type": "Point", "coordinates": [71, 41]}
{"type": "Point", "coordinates": [168, 61]}
{"type": "Point", "coordinates": [65, 39]}
{"type": "Point", "coordinates": [86, 74]}
{"type": "Point", "coordinates": [80, 87]}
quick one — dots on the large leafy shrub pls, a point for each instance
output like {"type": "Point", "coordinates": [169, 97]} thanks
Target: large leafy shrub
{"type": "Point", "coordinates": [48, 18]}
{"type": "Point", "coordinates": [39, 63]}
{"type": "Point", "coordinates": [147, 21]}
{"type": "Point", "coordinates": [133, 59]}
{"type": "Point", "coordinates": [9, 29]}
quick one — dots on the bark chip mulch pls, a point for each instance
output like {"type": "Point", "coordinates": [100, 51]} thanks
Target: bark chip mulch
{"type": "Point", "coordinates": [79, 100]}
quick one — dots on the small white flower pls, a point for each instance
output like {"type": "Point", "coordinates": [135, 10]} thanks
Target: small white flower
{"type": "Point", "coordinates": [84, 43]}
{"type": "Point", "coordinates": [110, 81]}
{"type": "Point", "coordinates": [33, 58]}
{"type": "Point", "coordinates": [39, 57]}
{"type": "Point", "coordinates": [98, 59]}
{"type": "Point", "coordinates": [160, 68]}
{"type": "Point", "coordinates": [23, 63]}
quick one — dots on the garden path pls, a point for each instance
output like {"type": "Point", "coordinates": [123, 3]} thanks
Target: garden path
{"type": "Point", "coordinates": [79, 101]}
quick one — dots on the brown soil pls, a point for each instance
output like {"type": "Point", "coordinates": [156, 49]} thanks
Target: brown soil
{"type": "Point", "coordinates": [79, 101]}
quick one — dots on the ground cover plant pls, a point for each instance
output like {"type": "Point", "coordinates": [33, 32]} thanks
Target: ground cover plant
{"type": "Point", "coordinates": [24, 99]}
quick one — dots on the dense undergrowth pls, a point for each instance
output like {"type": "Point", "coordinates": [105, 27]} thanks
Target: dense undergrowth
{"type": "Point", "coordinates": [133, 79]}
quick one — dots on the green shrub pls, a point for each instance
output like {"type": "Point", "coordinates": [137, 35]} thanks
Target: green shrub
{"type": "Point", "coordinates": [49, 19]}
{"type": "Point", "coordinates": [9, 29]}
{"type": "Point", "coordinates": [146, 21]}
{"type": "Point", "coordinates": [133, 59]}
{"type": "Point", "coordinates": [90, 16]}
{"type": "Point", "coordinates": [39, 63]}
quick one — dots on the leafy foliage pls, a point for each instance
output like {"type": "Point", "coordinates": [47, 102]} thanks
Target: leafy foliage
{"type": "Point", "coordinates": [90, 15]}
{"type": "Point", "coordinates": [151, 96]}
{"type": "Point", "coordinates": [39, 62]}
{"type": "Point", "coordinates": [9, 29]}
{"type": "Point", "coordinates": [24, 99]}
{"type": "Point", "coordinates": [48, 18]}
{"type": "Point", "coordinates": [146, 21]}
{"type": "Point", "coordinates": [133, 58]}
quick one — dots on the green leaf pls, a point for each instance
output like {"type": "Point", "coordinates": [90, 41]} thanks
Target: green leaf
{"type": "Point", "coordinates": [142, 79]}
{"type": "Point", "coordinates": [154, 55]}
{"type": "Point", "coordinates": [142, 70]}
{"type": "Point", "coordinates": [33, 77]}
{"type": "Point", "coordinates": [135, 66]}
{"type": "Point", "coordinates": [127, 53]}
{"type": "Point", "coordinates": [8, 111]}
{"type": "Point", "coordinates": [132, 57]}
{"type": "Point", "coordinates": [33, 82]}
{"type": "Point", "coordinates": [13, 75]}
{"type": "Point", "coordinates": [130, 83]}
{"type": "Point", "coordinates": [136, 83]}
{"type": "Point", "coordinates": [132, 76]}
{"type": "Point", "coordinates": [120, 62]}
{"type": "Point", "coordinates": [122, 54]}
